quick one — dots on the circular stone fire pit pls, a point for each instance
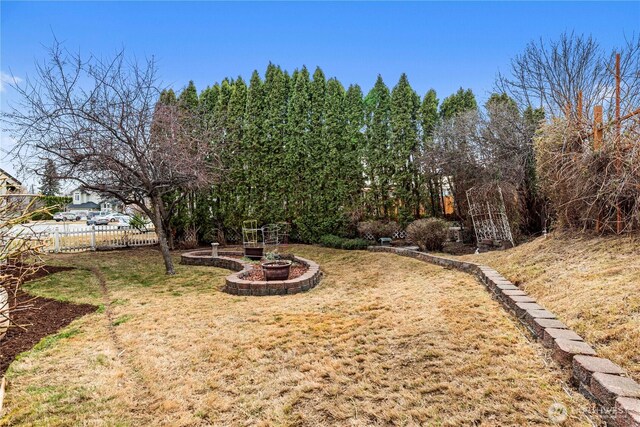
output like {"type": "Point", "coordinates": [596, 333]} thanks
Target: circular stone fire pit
{"type": "Point", "coordinates": [237, 285]}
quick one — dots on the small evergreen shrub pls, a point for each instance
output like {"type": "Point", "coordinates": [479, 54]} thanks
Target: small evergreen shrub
{"type": "Point", "coordinates": [355, 244]}
{"type": "Point", "coordinates": [336, 242]}
{"type": "Point", "coordinates": [429, 234]}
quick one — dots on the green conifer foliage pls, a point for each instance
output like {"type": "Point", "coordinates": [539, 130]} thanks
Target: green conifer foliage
{"type": "Point", "coordinates": [462, 100]}
{"type": "Point", "coordinates": [302, 149]}
{"type": "Point", "coordinates": [428, 120]}
{"type": "Point", "coordinates": [49, 182]}
{"type": "Point", "coordinates": [379, 163]}
{"type": "Point", "coordinates": [252, 140]}
{"type": "Point", "coordinates": [428, 115]}
{"type": "Point", "coordinates": [189, 97]}
{"type": "Point", "coordinates": [298, 160]}
{"type": "Point", "coordinates": [405, 106]}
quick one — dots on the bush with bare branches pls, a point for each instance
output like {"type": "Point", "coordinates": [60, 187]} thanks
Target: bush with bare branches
{"type": "Point", "coordinates": [587, 187]}
{"type": "Point", "coordinates": [429, 234]}
{"type": "Point", "coordinates": [20, 249]}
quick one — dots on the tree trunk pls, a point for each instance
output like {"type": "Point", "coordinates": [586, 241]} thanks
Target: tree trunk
{"type": "Point", "coordinates": [162, 236]}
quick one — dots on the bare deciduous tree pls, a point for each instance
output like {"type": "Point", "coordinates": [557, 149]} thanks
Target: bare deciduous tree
{"type": "Point", "coordinates": [477, 148]}
{"type": "Point", "coordinates": [100, 122]}
{"type": "Point", "coordinates": [551, 74]}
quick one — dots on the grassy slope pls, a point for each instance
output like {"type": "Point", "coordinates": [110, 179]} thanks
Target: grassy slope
{"type": "Point", "coordinates": [592, 284]}
{"type": "Point", "coordinates": [383, 340]}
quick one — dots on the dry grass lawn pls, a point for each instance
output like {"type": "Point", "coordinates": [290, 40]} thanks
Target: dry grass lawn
{"type": "Point", "coordinates": [591, 283]}
{"type": "Point", "coordinates": [383, 340]}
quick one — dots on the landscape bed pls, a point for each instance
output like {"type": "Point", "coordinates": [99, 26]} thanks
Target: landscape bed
{"type": "Point", "coordinates": [244, 282]}
{"type": "Point", "coordinates": [46, 317]}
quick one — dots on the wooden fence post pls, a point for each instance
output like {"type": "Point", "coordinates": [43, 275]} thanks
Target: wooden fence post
{"type": "Point", "coordinates": [56, 240]}
{"type": "Point", "coordinates": [93, 237]}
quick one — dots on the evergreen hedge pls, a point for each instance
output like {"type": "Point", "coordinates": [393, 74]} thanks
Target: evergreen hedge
{"type": "Point", "coordinates": [304, 149]}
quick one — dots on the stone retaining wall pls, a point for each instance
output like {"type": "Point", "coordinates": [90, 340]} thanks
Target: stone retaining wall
{"type": "Point", "coordinates": [605, 383]}
{"type": "Point", "coordinates": [236, 285]}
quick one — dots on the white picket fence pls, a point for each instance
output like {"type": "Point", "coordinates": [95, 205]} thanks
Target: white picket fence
{"type": "Point", "coordinates": [98, 238]}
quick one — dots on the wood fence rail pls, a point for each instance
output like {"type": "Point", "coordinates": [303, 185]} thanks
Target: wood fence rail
{"type": "Point", "coordinates": [97, 238]}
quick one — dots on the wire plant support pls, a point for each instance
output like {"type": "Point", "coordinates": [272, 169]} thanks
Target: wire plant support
{"type": "Point", "coordinates": [488, 214]}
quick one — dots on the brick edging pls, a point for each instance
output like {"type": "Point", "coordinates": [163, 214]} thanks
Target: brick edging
{"type": "Point", "coordinates": [236, 285]}
{"type": "Point", "coordinates": [602, 381]}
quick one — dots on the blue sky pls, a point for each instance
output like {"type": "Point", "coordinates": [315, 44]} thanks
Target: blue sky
{"type": "Point", "coordinates": [439, 45]}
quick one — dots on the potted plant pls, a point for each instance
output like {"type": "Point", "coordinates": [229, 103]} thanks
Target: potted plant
{"type": "Point", "coordinates": [275, 268]}
{"type": "Point", "coordinates": [254, 253]}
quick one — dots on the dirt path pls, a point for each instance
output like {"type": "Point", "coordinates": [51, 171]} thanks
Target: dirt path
{"type": "Point", "coordinates": [132, 380]}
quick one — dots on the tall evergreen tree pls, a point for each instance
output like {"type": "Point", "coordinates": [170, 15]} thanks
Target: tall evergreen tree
{"type": "Point", "coordinates": [378, 162]}
{"type": "Point", "coordinates": [189, 97]}
{"type": "Point", "coordinates": [183, 206]}
{"type": "Point", "coordinates": [333, 191]}
{"type": "Point", "coordinates": [208, 101]}
{"type": "Point", "coordinates": [462, 100]}
{"type": "Point", "coordinates": [298, 159]}
{"type": "Point", "coordinates": [230, 198]}
{"type": "Point", "coordinates": [272, 159]}
{"type": "Point", "coordinates": [308, 221]}
{"type": "Point", "coordinates": [49, 182]}
{"type": "Point", "coordinates": [355, 116]}
{"type": "Point", "coordinates": [428, 120]}
{"type": "Point", "coordinates": [252, 137]}
{"type": "Point", "coordinates": [429, 115]}
{"type": "Point", "coordinates": [168, 97]}
{"type": "Point", "coordinates": [405, 105]}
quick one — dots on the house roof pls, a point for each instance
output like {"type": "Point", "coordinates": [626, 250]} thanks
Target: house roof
{"type": "Point", "coordinates": [78, 188]}
{"type": "Point", "coordinates": [4, 172]}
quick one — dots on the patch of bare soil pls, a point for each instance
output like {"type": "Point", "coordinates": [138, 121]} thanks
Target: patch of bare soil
{"type": "Point", "coordinates": [46, 317]}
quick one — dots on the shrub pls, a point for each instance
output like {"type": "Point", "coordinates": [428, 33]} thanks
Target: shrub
{"type": "Point", "coordinates": [330, 241]}
{"type": "Point", "coordinates": [429, 234]}
{"type": "Point", "coordinates": [378, 229]}
{"type": "Point", "coordinates": [336, 242]}
{"type": "Point", "coordinates": [355, 244]}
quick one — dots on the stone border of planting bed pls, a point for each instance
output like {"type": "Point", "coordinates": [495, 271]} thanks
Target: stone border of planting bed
{"type": "Point", "coordinates": [602, 381]}
{"type": "Point", "coordinates": [236, 285]}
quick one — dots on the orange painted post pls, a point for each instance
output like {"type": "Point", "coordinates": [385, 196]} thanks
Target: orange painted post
{"type": "Point", "coordinates": [579, 107]}
{"type": "Point", "coordinates": [597, 127]}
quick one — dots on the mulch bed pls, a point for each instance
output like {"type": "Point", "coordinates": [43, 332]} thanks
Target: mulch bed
{"type": "Point", "coordinates": [256, 274]}
{"type": "Point", "coordinates": [455, 248]}
{"type": "Point", "coordinates": [47, 317]}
